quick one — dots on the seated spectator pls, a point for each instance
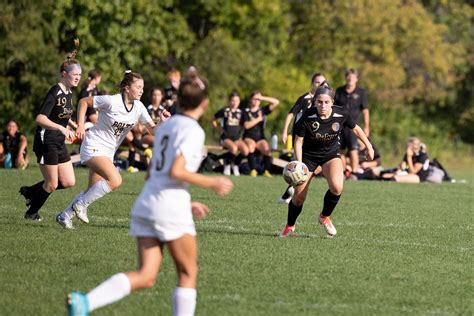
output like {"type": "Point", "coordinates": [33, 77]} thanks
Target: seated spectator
{"type": "Point", "coordinates": [230, 118]}
{"type": "Point", "coordinates": [254, 118]}
{"type": "Point", "coordinates": [415, 165]}
{"type": "Point", "coordinates": [13, 147]}
{"type": "Point", "coordinates": [367, 169]}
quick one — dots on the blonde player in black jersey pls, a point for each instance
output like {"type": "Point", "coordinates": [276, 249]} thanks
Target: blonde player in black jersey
{"type": "Point", "coordinates": [162, 215]}
{"type": "Point", "coordinates": [317, 144]}
{"type": "Point", "coordinates": [49, 143]}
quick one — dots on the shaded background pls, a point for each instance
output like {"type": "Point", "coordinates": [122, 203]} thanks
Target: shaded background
{"type": "Point", "coordinates": [415, 57]}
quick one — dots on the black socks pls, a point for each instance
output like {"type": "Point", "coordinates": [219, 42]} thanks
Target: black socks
{"type": "Point", "coordinates": [39, 199]}
{"type": "Point", "coordinates": [293, 213]}
{"type": "Point", "coordinates": [330, 202]}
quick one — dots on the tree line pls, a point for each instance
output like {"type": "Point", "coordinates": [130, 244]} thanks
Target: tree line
{"type": "Point", "coordinates": [415, 57]}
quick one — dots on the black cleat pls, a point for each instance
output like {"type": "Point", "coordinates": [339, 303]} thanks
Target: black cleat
{"type": "Point", "coordinates": [33, 217]}
{"type": "Point", "coordinates": [24, 191]}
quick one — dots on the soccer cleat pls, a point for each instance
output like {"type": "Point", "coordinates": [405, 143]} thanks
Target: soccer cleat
{"type": "Point", "coordinates": [33, 217]}
{"type": "Point", "coordinates": [287, 196]}
{"type": "Point", "coordinates": [132, 169]}
{"type": "Point", "coordinates": [81, 212]}
{"type": "Point", "coordinates": [227, 170]}
{"type": "Point", "coordinates": [235, 170]}
{"type": "Point", "coordinates": [77, 304]}
{"type": "Point", "coordinates": [325, 221]}
{"type": "Point", "coordinates": [24, 191]}
{"type": "Point", "coordinates": [287, 231]}
{"type": "Point", "coordinates": [253, 173]}
{"type": "Point", "coordinates": [267, 174]}
{"type": "Point", "coordinates": [64, 220]}
{"type": "Point", "coordinates": [148, 152]}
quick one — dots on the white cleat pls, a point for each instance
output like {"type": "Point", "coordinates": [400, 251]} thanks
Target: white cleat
{"type": "Point", "coordinates": [325, 221]}
{"type": "Point", "coordinates": [291, 192]}
{"type": "Point", "coordinates": [64, 220]}
{"type": "Point", "coordinates": [81, 212]}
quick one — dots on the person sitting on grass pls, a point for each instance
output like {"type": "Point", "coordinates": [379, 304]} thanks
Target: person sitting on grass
{"type": "Point", "coordinates": [13, 147]}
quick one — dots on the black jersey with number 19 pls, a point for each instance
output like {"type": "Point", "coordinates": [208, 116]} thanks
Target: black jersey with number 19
{"type": "Point", "coordinates": [57, 106]}
{"type": "Point", "coordinates": [321, 136]}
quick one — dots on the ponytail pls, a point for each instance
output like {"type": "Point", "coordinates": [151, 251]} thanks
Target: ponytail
{"type": "Point", "coordinates": [70, 63]}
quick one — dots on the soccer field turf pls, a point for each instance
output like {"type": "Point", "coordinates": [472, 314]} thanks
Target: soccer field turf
{"type": "Point", "coordinates": [400, 249]}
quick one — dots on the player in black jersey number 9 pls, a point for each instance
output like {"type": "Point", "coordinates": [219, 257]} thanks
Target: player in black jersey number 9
{"type": "Point", "coordinates": [317, 144]}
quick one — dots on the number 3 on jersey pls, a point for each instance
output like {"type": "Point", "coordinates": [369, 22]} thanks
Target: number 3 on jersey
{"type": "Point", "coordinates": [160, 162]}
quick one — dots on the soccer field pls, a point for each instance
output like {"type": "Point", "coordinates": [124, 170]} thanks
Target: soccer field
{"type": "Point", "coordinates": [400, 249]}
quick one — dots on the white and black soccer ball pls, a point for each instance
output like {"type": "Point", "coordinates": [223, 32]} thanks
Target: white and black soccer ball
{"type": "Point", "coordinates": [295, 173]}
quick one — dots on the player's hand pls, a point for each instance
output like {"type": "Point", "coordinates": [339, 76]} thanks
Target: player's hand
{"type": "Point", "coordinates": [369, 153]}
{"type": "Point", "coordinates": [222, 186]}
{"type": "Point", "coordinates": [284, 137]}
{"type": "Point", "coordinates": [164, 115]}
{"type": "Point", "coordinates": [199, 210]}
{"type": "Point", "coordinates": [80, 132]}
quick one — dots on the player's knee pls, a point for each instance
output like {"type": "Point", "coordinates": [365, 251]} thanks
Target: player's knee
{"type": "Point", "coordinates": [337, 189]}
{"type": "Point", "coordinates": [298, 200]}
{"type": "Point", "coordinates": [50, 186]}
{"type": "Point", "coordinates": [115, 182]}
{"type": "Point", "coordinates": [68, 183]}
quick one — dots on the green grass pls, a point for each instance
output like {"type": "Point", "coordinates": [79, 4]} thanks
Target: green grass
{"type": "Point", "coordinates": [400, 249]}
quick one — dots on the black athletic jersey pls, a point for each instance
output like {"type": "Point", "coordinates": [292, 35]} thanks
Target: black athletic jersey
{"type": "Point", "coordinates": [230, 122]}
{"type": "Point", "coordinates": [353, 102]}
{"type": "Point", "coordinates": [362, 156]}
{"type": "Point", "coordinates": [57, 106]}
{"type": "Point", "coordinates": [155, 113]}
{"type": "Point", "coordinates": [170, 93]}
{"type": "Point", "coordinates": [422, 158]}
{"type": "Point", "coordinates": [301, 105]}
{"type": "Point", "coordinates": [11, 144]}
{"type": "Point", "coordinates": [321, 136]}
{"type": "Point", "coordinates": [89, 93]}
{"type": "Point", "coordinates": [258, 131]}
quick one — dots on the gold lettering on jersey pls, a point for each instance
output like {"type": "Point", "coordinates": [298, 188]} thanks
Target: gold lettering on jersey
{"type": "Point", "coordinates": [119, 127]}
{"type": "Point", "coordinates": [315, 126]}
{"type": "Point", "coordinates": [335, 126]}
{"type": "Point", "coordinates": [67, 113]}
{"type": "Point", "coordinates": [61, 101]}
{"type": "Point", "coordinates": [325, 137]}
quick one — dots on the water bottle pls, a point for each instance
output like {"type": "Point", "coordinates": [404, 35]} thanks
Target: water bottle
{"type": "Point", "coordinates": [289, 143]}
{"type": "Point", "coordinates": [8, 161]}
{"type": "Point", "coordinates": [274, 142]}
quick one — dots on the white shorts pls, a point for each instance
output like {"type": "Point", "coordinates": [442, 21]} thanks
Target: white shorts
{"type": "Point", "coordinates": [87, 152]}
{"type": "Point", "coordinates": [164, 231]}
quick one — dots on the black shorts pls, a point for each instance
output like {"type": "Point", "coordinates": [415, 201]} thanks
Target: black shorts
{"type": "Point", "coordinates": [312, 163]}
{"type": "Point", "coordinates": [255, 138]}
{"type": "Point", "coordinates": [51, 154]}
{"type": "Point", "coordinates": [231, 137]}
{"type": "Point", "coordinates": [349, 140]}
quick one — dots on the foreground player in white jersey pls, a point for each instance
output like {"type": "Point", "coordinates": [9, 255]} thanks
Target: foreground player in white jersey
{"type": "Point", "coordinates": [163, 213]}
{"type": "Point", "coordinates": [118, 115]}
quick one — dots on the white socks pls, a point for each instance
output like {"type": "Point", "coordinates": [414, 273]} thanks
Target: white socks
{"type": "Point", "coordinates": [111, 290]}
{"type": "Point", "coordinates": [95, 192]}
{"type": "Point", "coordinates": [184, 301]}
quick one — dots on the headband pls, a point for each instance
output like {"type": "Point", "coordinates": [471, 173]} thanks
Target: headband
{"type": "Point", "coordinates": [324, 90]}
{"type": "Point", "coordinates": [72, 66]}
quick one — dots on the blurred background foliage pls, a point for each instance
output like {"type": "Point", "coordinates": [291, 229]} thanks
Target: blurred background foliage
{"type": "Point", "coordinates": [415, 57]}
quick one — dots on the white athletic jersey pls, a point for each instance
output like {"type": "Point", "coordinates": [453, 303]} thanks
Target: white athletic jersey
{"type": "Point", "coordinates": [114, 122]}
{"type": "Point", "coordinates": [163, 198]}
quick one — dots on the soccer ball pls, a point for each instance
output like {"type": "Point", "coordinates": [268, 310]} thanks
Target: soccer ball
{"type": "Point", "coordinates": [295, 173]}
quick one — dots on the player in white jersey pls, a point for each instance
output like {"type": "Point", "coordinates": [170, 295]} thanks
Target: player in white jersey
{"type": "Point", "coordinates": [118, 115]}
{"type": "Point", "coordinates": [162, 214]}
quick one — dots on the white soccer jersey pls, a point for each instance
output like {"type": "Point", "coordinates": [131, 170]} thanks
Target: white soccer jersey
{"type": "Point", "coordinates": [163, 199]}
{"type": "Point", "coordinates": [113, 124]}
